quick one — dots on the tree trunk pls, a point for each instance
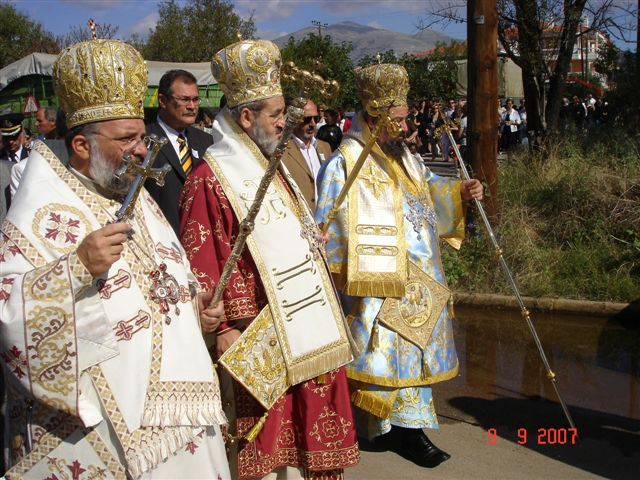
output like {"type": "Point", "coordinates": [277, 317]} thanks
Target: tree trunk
{"type": "Point", "coordinates": [482, 92]}
{"type": "Point", "coordinates": [570, 25]}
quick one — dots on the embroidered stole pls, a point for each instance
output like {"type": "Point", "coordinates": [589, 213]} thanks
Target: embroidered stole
{"type": "Point", "coordinates": [169, 399]}
{"type": "Point", "coordinates": [303, 309]}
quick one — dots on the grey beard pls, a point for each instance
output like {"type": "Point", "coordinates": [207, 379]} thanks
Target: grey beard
{"type": "Point", "coordinates": [265, 143]}
{"type": "Point", "coordinates": [393, 148]}
{"type": "Point", "coordinates": [102, 172]}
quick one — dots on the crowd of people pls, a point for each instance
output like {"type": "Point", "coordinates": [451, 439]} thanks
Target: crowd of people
{"type": "Point", "coordinates": [334, 322]}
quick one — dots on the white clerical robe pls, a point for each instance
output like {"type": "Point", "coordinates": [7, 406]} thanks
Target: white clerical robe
{"type": "Point", "coordinates": [106, 377]}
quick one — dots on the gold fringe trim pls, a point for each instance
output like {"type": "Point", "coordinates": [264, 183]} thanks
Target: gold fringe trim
{"type": "Point", "coordinates": [402, 382]}
{"type": "Point", "coordinates": [167, 411]}
{"type": "Point", "coordinates": [373, 404]}
{"type": "Point", "coordinates": [374, 341]}
{"type": "Point", "coordinates": [375, 288]}
{"type": "Point", "coordinates": [155, 447]}
{"type": "Point", "coordinates": [337, 356]}
{"type": "Point", "coordinates": [257, 428]}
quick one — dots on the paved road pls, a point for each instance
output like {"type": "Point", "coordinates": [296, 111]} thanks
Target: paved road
{"type": "Point", "coordinates": [608, 448]}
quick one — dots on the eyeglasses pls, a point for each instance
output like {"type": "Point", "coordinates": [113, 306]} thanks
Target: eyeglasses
{"type": "Point", "coordinates": [187, 100]}
{"type": "Point", "coordinates": [128, 144]}
{"type": "Point", "coordinates": [308, 119]}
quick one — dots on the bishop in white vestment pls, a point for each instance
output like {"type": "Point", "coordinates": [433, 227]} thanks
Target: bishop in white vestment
{"type": "Point", "coordinates": [107, 374]}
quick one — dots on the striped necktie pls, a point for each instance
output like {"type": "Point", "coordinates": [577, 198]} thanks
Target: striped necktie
{"type": "Point", "coordinates": [185, 154]}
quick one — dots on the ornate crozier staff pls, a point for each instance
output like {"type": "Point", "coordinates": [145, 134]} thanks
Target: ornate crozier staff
{"type": "Point", "coordinates": [507, 271]}
{"type": "Point", "coordinates": [142, 172]}
{"type": "Point", "coordinates": [308, 82]}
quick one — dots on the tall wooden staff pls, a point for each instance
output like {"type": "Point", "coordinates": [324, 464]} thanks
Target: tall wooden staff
{"type": "Point", "coordinates": [507, 271]}
{"type": "Point", "coordinates": [308, 82]}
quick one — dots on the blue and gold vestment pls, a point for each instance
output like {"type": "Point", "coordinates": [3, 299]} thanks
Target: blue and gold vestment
{"type": "Point", "coordinates": [390, 378]}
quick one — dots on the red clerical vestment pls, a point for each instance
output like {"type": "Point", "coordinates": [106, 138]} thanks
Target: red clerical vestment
{"type": "Point", "coordinates": [311, 426]}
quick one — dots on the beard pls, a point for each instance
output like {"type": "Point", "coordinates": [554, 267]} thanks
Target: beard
{"type": "Point", "coordinates": [393, 148]}
{"type": "Point", "coordinates": [102, 172]}
{"type": "Point", "coordinates": [265, 142]}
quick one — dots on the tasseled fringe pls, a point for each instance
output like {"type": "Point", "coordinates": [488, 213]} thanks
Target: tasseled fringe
{"type": "Point", "coordinates": [156, 447]}
{"type": "Point", "coordinates": [253, 433]}
{"type": "Point", "coordinates": [425, 372]}
{"type": "Point", "coordinates": [375, 406]}
{"type": "Point", "coordinates": [361, 288]}
{"type": "Point", "coordinates": [168, 412]}
{"type": "Point", "coordinates": [374, 341]}
{"type": "Point", "coordinates": [337, 474]}
{"type": "Point", "coordinates": [323, 363]}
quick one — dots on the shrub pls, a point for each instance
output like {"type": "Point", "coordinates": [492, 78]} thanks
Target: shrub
{"type": "Point", "coordinates": [569, 224]}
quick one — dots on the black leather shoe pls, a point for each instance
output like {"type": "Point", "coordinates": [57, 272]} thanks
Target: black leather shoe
{"type": "Point", "coordinates": [417, 447]}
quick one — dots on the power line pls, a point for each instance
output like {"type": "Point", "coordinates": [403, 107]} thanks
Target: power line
{"type": "Point", "coordinates": [320, 25]}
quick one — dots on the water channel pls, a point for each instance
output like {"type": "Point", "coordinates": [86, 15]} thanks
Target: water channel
{"type": "Point", "coordinates": [503, 386]}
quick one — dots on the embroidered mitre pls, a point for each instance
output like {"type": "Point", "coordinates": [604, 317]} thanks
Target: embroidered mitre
{"type": "Point", "coordinates": [247, 71]}
{"type": "Point", "coordinates": [386, 83]}
{"type": "Point", "coordinates": [100, 80]}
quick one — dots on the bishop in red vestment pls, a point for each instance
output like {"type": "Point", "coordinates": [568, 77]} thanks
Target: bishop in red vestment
{"type": "Point", "coordinates": [310, 427]}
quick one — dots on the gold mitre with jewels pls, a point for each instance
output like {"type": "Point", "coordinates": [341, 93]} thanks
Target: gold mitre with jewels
{"type": "Point", "coordinates": [247, 71]}
{"type": "Point", "coordinates": [386, 83]}
{"type": "Point", "coordinates": [100, 80]}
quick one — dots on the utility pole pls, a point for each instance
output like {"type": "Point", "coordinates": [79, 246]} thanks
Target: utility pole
{"type": "Point", "coordinates": [482, 95]}
{"type": "Point", "coordinates": [638, 41]}
{"type": "Point", "coordinates": [320, 26]}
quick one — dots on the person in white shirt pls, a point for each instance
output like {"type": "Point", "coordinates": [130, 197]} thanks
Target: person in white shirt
{"type": "Point", "coordinates": [509, 123]}
{"type": "Point", "coordinates": [305, 154]}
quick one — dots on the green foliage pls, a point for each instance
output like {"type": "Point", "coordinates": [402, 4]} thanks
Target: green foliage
{"type": "Point", "coordinates": [20, 36]}
{"type": "Point", "coordinates": [195, 31]}
{"type": "Point", "coordinates": [334, 65]}
{"type": "Point", "coordinates": [608, 59]}
{"type": "Point", "coordinates": [570, 224]}
{"type": "Point", "coordinates": [81, 33]}
{"type": "Point", "coordinates": [624, 97]}
{"type": "Point", "coordinates": [430, 77]}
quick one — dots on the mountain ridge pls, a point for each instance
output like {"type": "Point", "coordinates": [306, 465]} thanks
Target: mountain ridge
{"type": "Point", "coordinates": [368, 40]}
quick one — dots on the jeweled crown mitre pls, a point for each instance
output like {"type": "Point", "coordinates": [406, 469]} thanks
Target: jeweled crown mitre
{"type": "Point", "coordinates": [247, 71]}
{"type": "Point", "coordinates": [100, 80]}
{"type": "Point", "coordinates": [386, 83]}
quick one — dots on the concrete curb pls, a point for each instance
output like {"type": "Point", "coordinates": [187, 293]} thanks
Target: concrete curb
{"type": "Point", "coordinates": [555, 305]}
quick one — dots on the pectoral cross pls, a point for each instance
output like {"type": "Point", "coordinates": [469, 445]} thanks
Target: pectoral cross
{"type": "Point", "coordinates": [142, 172]}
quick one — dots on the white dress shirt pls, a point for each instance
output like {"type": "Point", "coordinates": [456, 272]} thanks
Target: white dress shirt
{"type": "Point", "coordinates": [172, 135]}
{"type": "Point", "coordinates": [311, 156]}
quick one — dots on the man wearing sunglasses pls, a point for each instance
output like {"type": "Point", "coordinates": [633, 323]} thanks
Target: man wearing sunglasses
{"type": "Point", "coordinates": [305, 154]}
{"type": "Point", "coordinates": [178, 103]}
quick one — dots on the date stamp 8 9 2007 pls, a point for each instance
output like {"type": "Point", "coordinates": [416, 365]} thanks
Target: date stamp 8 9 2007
{"type": "Point", "coordinates": [543, 436]}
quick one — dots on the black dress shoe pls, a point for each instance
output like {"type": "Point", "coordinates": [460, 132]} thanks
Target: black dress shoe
{"type": "Point", "coordinates": [417, 447]}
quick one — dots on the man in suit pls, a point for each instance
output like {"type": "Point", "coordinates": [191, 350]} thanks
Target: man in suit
{"type": "Point", "coordinates": [179, 102]}
{"type": "Point", "coordinates": [12, 133]}
{"type": "Point", "coordinates": [305, 154]}
{"type": "Point", "coordinates": [5, 196]}
{"type": "Point", "coordinates": [46, 123]}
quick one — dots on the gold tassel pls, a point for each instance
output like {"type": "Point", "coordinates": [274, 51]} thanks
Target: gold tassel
{"type": "Point", "coordinates": [321, 379]}
{"type": "Point", "coordinates": [256, 429]}
{"type": "Point", "coordinates": [374, 343]}
{"type": "Point", "coordinates": [451, 312]}
{"type": "Point", "coordinates": [425, 373]}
